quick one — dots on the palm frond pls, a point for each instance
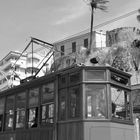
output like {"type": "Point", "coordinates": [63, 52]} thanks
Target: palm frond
{"type": "Point", "coordinates": [102, 7]}
{"type": "Point", "coordinates": [101, 1]}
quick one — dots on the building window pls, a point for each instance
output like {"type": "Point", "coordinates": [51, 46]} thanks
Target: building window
{"type": "Point", "coordinates": [62, 50]}
{"type": "Point", "coordinates": [86, 43]}
{"type": "Point", "coordinates": [9, 112]}
{"type": "Point", "coordinates": [47, 104]}
{"type": "Point", "coordinates": [2, 101]}
{"type": "Point", "coordinates": [20, 110]}
{"type": "Point", "coordinates": [33, 107]}
{"type": "Point", "coordinates": [73, 47]}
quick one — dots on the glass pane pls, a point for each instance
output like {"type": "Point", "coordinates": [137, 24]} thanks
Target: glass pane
{"type": "Point", "coordinates": [33, 97]}
{"type": "Point", "coordinates": [2, 101]}
{"type": "Point", "coordinates": [62, 104]}
{"type": "Point", "coordinates": [48, 113]}
{"type": "Point", "coordinates": [10, 104]}
{"type": "Point", "coordinates": [92, 75]}
{"type": "Point", "coordinates": [21, 100]}
{"type": "Point", "coordinates": [44, 110]}
{"type": "Point", "coordinates": [1, 122]}
{"type": "Point", "coordinates": [136, 98]}
{"type": "Point", "coordinates": [20, 119]}
{"type": "Point", "coordinates": [47, 92]}
{"type": "Point", "coordinates": [74, 78]}
{"type": "Point", "coordinates": [74, 102]}
{"type": "Point", "coordinates": [9, 121]}
{"type": "Point", "coordinates": [96, 105]}
{"type": "Point", "coordinates": [33, 115]}
{"type": "Point", "coordinates": [120, 103]}
{"type": "Point", "coordinates": [63, 81]}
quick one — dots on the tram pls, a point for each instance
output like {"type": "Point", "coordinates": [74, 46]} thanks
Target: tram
{"type": "Point", "coordinates": [75, 103]}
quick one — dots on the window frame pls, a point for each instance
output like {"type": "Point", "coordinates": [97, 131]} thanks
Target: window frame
{"type": "Point", "coordinates": [62, 49]}
{"type": "Point", "coordinates": [9, 114]}
{"type": "Point", "coordinates": [31, 107]}
{"type": "Point", "coordinates": [77, 106]}
{"type": "Point", "coordinates": [2, 115]}
{"type": "Point", "coordinates": [128, 92]}
{"type": "Point", "coordinates": [104, 115]}
{"type": "Point", "coordinates": [47, 120]}
{"type": "Point", "coordinates": [86, 42]}
{"type": "Point", "coordinates": [73, 47]}
{"type": "Point", "coordinates": [20, 110]}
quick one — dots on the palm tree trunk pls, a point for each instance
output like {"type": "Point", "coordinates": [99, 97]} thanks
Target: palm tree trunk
{"type": "Point", "coordinates": [91, 29]}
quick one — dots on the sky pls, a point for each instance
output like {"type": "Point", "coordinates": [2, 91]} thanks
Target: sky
{"type": "Point", "coordinates": [53, 20]}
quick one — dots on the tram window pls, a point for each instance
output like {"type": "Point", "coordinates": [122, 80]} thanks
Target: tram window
{"type": "Point", "coordinates": [96, 106]}
{"type": "Point", "coordinates": [48, 113]}
{"type": "Point", "coordinates": [33, 97]}
{"type": "Point", "coordinates": [120, 103]}
{"type": "Point", "coordinates": [47, 92]}
{"type": "Point", "coordinates": [92, 75]}
{"type": "Point", "coordinates": [2, 101]}
{"type": "Point", "coordinates": [74, 102]}
{"type": "Point", "coordinates": [74, 78]}
{"type": "Point", "coordinates": [20, 110]}
{"type": "Point", "coordinates": [20, 118]}
{"type": "Point", "coordinates": [21, 100]}
{"type": "Point", "coordinates": [9, 112]}
{"type": "Point", "coordinates": [33, 116]}
{"type": "Point", "coordinates": [63, 81]}
{"type": "Point", "coordinates": [33, 107]}
{"type": "Point", "coordinates": [62, 104]}
{"type": "Point", "coordinates": [47, 103]}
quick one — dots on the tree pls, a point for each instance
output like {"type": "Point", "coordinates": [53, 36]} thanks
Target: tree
{"type": "Point", "coordinates": [135, 53]}
{"type": "Point", "coordinates": [117, 56]}
{"type": "Point", "coordinates": [95, 4]}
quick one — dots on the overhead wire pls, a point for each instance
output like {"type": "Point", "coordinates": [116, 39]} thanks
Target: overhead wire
{"type": "Point", "coordinates": [105, 23]}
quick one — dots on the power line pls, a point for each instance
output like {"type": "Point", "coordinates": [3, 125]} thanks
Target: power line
{"type": "Point", "coordinates": [104, 23]}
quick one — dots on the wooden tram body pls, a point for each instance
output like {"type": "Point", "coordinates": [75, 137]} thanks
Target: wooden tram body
{"type": "Point", "coordinates": [76, 103]}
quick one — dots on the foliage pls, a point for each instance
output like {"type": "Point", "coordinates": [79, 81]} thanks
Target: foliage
{"type": "Point", "coordinates": [119, 57]}
{"type": "Point", "coordinates": [135, 54]}
{"type": "Point", "coordinates": [98, 4]}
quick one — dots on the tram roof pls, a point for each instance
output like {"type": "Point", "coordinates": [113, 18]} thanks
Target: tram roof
{"type": "Point", "coordinates": [51, 76]}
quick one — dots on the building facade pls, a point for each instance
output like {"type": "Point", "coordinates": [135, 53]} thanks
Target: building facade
{"type": "Point", "coordinates": [14, 67]}
{"type": "Point", "coordinates": [10, 73]}
{"type": "Point", "coordinates": [69, 49]}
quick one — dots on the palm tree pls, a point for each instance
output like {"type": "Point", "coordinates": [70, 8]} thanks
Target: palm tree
{"type": "Point", "coordinates": [95, 4]}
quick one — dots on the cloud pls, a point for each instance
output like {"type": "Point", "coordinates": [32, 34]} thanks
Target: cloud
{"type": "Point", "coordinates": [70, 14]}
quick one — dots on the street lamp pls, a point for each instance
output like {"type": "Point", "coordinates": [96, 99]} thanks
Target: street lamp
{"type": "Point", "coordinates": [94, 4]}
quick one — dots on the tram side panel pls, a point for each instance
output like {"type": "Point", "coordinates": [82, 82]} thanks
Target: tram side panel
{"type": "Point", "coordinates": [38, 134]}
{"type": "Point", "coordinates": [70, 131]}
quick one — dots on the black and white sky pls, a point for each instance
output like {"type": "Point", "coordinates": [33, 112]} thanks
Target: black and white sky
{"type": "Point", "coordinates": [52, 20]}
